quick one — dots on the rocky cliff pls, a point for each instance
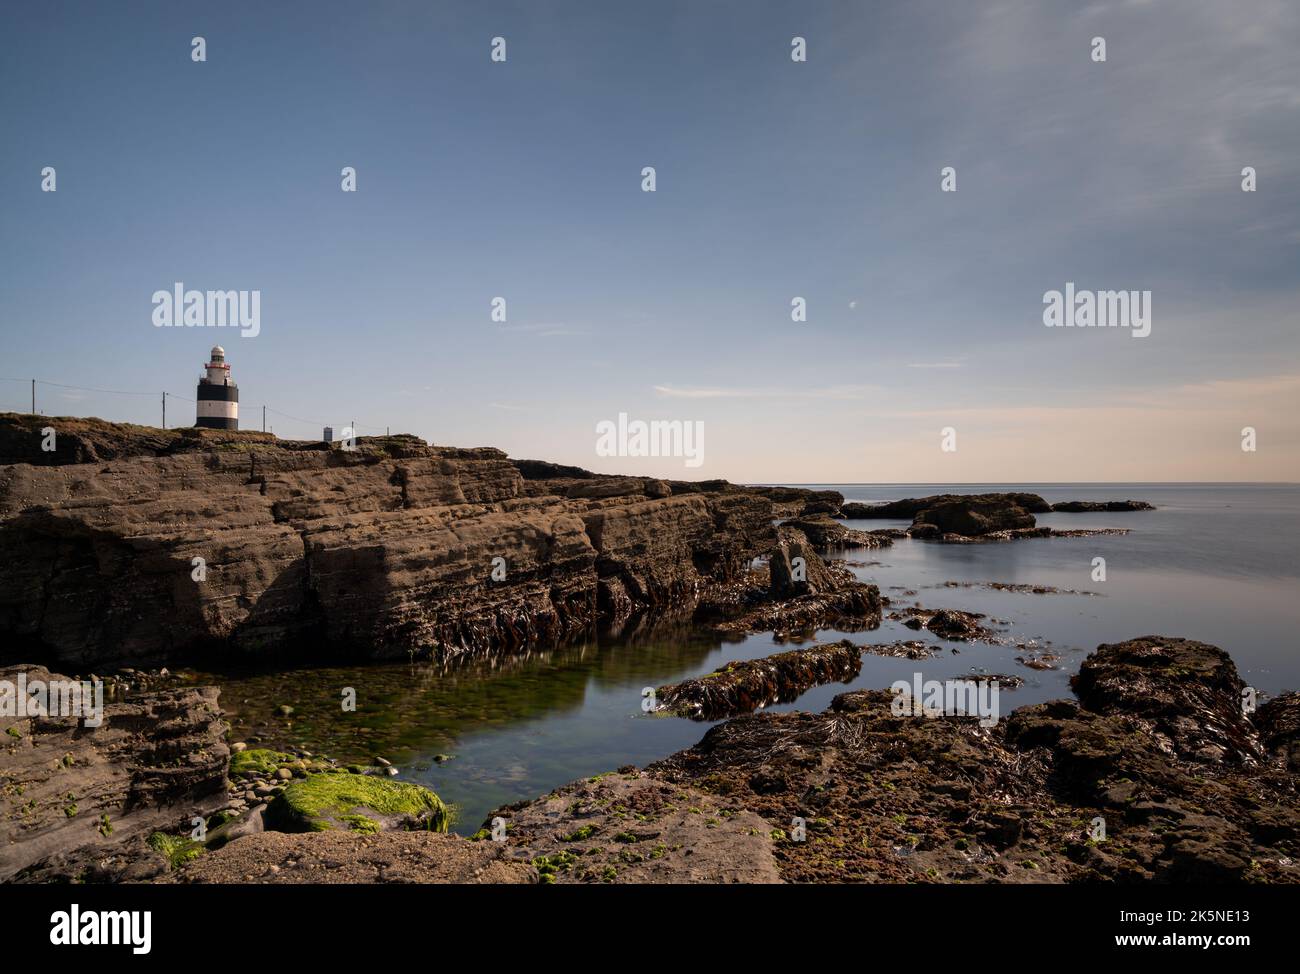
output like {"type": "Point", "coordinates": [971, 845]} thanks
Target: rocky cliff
{"type": "Point", "coordinates": [135, 544]}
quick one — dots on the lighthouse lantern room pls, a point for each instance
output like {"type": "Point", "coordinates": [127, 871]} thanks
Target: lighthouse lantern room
{"type": "Point", "coordinates": [218, 397]}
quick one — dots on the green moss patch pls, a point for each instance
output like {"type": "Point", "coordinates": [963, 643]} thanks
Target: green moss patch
{"type": "Point", "coordinates": [176, 849]}
{"type": "Point", "coordinates": [245, 764]}
{"type": "Point", "coordinates": [356, 803]}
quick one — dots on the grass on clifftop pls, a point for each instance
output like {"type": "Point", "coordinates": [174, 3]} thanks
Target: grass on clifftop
{"type": "Point", "coordinates": [321, 802]}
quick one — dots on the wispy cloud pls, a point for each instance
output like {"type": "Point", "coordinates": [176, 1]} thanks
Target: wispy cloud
{"type": "Point", "coordinates": [543, 330]}
{"type": "Point", "coordinates": [829, 392]}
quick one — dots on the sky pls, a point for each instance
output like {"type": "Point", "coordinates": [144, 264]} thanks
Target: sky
{"type": "Point", "coordinates": [774, 179]}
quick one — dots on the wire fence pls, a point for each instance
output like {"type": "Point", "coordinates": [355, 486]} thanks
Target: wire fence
{"type": "Point", "coordinates": [9, 404]}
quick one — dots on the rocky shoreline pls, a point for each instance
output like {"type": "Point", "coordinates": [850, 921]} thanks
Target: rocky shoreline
{"type": "Point", "coordinates": [130, 547]}
{"type": "Point", "coordinates": [1154, 773]}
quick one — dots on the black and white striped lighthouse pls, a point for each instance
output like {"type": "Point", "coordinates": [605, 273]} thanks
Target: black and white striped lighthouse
{"type": "Point", "coordinates": [218, 398]}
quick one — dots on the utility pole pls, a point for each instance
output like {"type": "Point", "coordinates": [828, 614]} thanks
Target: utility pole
{"type": "Point", "coordinates": [33, 397]}
{"type": "Point", "coordinates": [164, 410]}
{"type": "Point", "coordinates": [263, 419]}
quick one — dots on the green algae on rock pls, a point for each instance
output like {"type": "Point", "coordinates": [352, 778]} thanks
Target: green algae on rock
{"type": "Point", "coordinates": [357, 803]}
{"type": "Point", "coordinates": [176, 849]}
{"type": "Point", "coordinates": [257, 761]}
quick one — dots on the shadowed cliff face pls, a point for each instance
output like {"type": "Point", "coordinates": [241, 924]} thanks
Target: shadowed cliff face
{"type": "Point", "coordinates": [392, 549]}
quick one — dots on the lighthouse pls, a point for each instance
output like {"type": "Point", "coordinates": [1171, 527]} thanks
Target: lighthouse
{"type": "Point", "coordinates": [218, 398]}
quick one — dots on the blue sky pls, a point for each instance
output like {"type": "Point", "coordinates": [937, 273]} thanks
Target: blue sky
{"type": "Point", "coordinates": [775, 179]}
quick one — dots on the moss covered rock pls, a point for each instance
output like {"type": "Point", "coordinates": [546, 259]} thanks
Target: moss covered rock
{"type": "Point", "coordinates": [359, 803]}
{"type": "Point", "coordinates": [176, 849]}
{"type": "Point", "coordinates": [255, 761]}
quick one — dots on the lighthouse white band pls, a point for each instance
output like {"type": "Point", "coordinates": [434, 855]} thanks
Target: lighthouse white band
{"type": "Point", "coordinates": [215, 409]}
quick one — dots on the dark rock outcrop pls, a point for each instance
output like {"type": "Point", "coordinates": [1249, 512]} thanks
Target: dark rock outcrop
{"type": "Point", "coordinates": [972, 516]}
{"type": "Point", "coordinates": [802, 594]}
{"type": "Point", "coordinates": [741, 687]}
{"type": "Point", "coordinates": [1278, 723]}
{"type": "Point", "coordinates": [1187, 693]}
{"type": "Point", "coordinates": [948, 623]}
{"type": "Point", "coordinates": [797, 570]}
{"type": "Point", "coordinates": [801, 501]}
{"type": "Point", "coordinates": [1077, 507]}
{"type": "Point", "coordinates": [912, 506]}
{"type": "Point", "coordinates": [826, 534]}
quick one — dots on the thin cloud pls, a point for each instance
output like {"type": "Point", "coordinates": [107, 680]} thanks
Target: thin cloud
{"type": "Point", "coordinates": [830, 392]}
{"type": "Point", "coordinates": [543, 330]}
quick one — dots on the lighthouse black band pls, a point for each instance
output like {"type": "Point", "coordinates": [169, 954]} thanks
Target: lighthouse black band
{"type": "Point", "coordinates": [217, 423]}
{"type": "Point", "coordinates": [213, 393]}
